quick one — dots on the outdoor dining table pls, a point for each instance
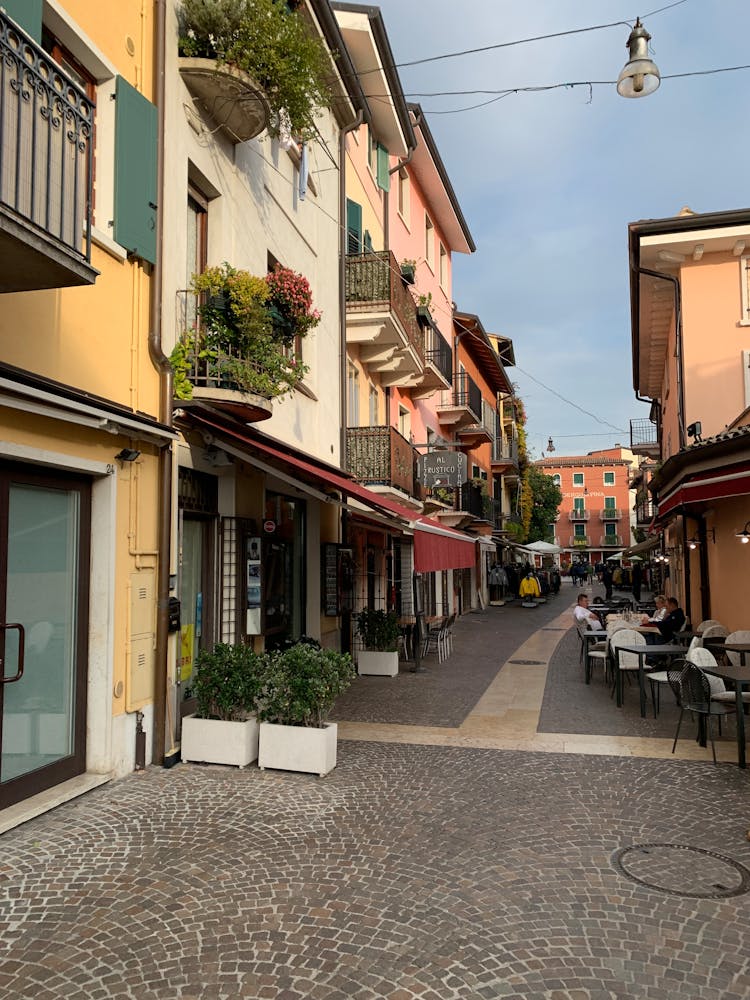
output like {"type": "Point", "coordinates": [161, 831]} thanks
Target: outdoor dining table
{"type": "Point", "coordinates": [740, 677]}
{"type": "Point", "coordinates": [667, 650]}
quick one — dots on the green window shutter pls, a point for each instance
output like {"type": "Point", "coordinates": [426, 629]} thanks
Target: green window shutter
{"type": "Point", "coordinates": [367, 241]}
{"type": "Point", "coordinates": [135, 172]}
{"type": "Point", "coordinates": [27, 14]}
{"type": "Point", "coordinates": [384, 178]}
{"type": "Point", "coordinates": [353, 227]}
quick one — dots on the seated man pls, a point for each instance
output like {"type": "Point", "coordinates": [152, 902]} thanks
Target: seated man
{"type": "Point", "coordinates": [660, 611]}
{"type": "Point", "coordinates": [582, 614]}
{"type": "Point", "coordinates": [672, 621]}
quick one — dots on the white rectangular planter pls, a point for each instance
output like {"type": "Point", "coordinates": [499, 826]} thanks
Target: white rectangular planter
{"type": "Point", "coordinates": [298, 748]}
{"type": "Point", "coordinates": [213, 741]}
{"type": "Point", "coordinates": [371, 661]}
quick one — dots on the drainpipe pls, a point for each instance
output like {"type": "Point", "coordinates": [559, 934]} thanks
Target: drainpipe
{"type": "Point", "coordinates": [678, 338]}
{"type": "Point", "coordinates": [161, 363]}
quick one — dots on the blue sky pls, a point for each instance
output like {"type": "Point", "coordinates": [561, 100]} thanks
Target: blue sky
{"type": "Point", "coordinates": [549, 181]}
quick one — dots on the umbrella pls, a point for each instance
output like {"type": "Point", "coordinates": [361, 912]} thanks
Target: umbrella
{"type": "Point", "coordinates": [546, 547]}
{"type": "Point", "coordinates": [615, 557]}
{"type": "Point", "coordinates": [635, 559]}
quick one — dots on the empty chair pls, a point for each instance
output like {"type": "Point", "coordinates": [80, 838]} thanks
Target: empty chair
{"type": "Point", "coordinates": [706, 623]}
{"type": "Point", "coordinates": [693, 692]}
{"type": "Point", "coordinates": [626, 662]}
{"type": "Point", "coordinates": [658, 677]}
{"type": "Point", "coordinates": [434, 640]}
{"type": "Point", "coordinates": [741, 635]}
{"type": "Point", "coordinates": [450, 621]}
{"type": "Point", "coordinates": [714, 632]}
{"type": "Point", "coordinates": [705, 658]}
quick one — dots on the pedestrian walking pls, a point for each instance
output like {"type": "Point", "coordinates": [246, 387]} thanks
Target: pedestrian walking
{"type": "Point", "coordinates": [635, 577]}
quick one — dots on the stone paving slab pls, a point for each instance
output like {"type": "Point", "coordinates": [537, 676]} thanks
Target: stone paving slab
{"type": "Point", "coordinates": [408, 872]}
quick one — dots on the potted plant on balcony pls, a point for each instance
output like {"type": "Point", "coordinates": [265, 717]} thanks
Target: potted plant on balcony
{"type": "Point", "coordinates": [245, 336]}
{"type": "Point", "coordinates": [271, 44]}
{"type": "Point", "coordinates": [379, 631]}
{"type": "Point", "coordinates": [224, 729]}
{"type": "Point", "coordinates": [408, 271]}
{"type": "Point", "coordinates": [300, 685]}
{"type": "Point", "coordinates": [424, 307]}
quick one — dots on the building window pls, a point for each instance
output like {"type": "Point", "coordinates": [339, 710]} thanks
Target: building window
{"type": "Point", "coordinates": [610, 530]}
{"type": "Point", "coordinates": [609, 506]}
{"type": "Point", "coordinates": [352, 395]}
{"type": "Point", "coordinates": [443, 266]}
{"type": "Point", "coordinates": [429, 241]}
{"type": "Point", "coordinates": [373, 400]}
{"type": "Point", "coordinates": [578, 503]}
{"type": "Point", "coordinates": [579, 530]}
{"type": "Point", "coordinates": [354, 240]}
{"type": "Point", "coordinates": [556, 479]}
{"type": "Point", "coordinates": [196, 256]}
{"type": "Point", "coordinates": [578, 479]}
{"type": "Point", "coordinates": [609, 479]}
{"type": "Point", "coordinates": [404, 422]}
{"type": "Point", "coordinates": [403, 195]}
{"type": "Point", "coordinates": [745, 290]}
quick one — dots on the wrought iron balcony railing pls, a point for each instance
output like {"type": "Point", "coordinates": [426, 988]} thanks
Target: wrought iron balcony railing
{"type": "Point", "coordinates": [610, 514]}
{"type": "Point", "coordinates": [645, 511]}
{"type": "Point", "coordinates": [611, 540]}
{"type": "Point", "coordinates": [46, 143]}
{"type": "Point", "coordinates": [578, 541]}
{"type": "Point", "coordinates": [438, 352]}
{"type": "Point", "coordinates": [467, 393]}
{"type": "Point", "coordinates": [380, 456]}
{"type": "Point", "coordinates": [477, 503]}
{"type": "Point", "coordinates": [373, 281]}
{"type": "Point", "coordinates": [505, 450]}
{"type": "Point", "coordinates": [579, 514]}
{"type": "Point", "coordinates": [643, 435]}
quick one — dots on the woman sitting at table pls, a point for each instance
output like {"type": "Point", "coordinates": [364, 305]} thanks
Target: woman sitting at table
{"type": "Point", "coordinates": [673, 621]}
{"type": "Point", "coordinates": [659, 614]}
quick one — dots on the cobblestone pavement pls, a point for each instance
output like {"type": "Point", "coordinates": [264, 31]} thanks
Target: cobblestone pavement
{"type": "Point", "coordinates": [409, 872]}
{"type": "Point", "coordinates": [437, 872]}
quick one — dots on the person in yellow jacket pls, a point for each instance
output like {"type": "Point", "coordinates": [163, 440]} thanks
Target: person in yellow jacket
{"type": "Point", "coordinates": [529, 586]}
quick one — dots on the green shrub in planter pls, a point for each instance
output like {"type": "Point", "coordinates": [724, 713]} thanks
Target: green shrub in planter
{"type": "Point", "coordinates": [378, 629]}
{"type": "Point", "coordinates": [301, 683]}
{"type": "Point", "coordinates": [227, 682]}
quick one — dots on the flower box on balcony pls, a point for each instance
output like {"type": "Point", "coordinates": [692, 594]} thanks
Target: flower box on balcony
{"type": "Point", "coordinates": [408, 272]}
{"type": "Point", "coordinates": [232, 98]}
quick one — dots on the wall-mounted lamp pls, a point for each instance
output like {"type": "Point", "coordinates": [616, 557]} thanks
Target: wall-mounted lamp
{"type": "Point", "coordinates": [693, 542]}
{"type": "Point", "coordinates": [694, 430]}
{"type": "Point", "coordinates": [744, 535]}
{"type": "Point", "coordinates": [127, 455]}
{"type": "Point", "coordinates": [639, 76]}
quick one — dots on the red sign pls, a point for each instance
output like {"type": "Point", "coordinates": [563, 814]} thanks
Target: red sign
{"type": "Point", "coordinates": [269, 526]}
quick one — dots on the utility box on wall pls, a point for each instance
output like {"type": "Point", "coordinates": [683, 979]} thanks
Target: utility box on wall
{"type": "Point", "coordinates": [139, 675]}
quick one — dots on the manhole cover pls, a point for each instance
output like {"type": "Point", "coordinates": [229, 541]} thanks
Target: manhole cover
{"type": "Point", "coordinates": [682, 870]}
{"type": "Point", "coordinates": [529, 663]}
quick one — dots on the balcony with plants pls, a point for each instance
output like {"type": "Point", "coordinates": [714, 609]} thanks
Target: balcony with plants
{"type": "Point", "coordinates": [253, 65]}
{"type": "Point", "coordinates": [579, 514]}
{"type": "Point", "coordinates": [384, 461]}
{"type": "Point", "coordinates": [610, 514]}
{"type": "Point", "coordinates": [381, 320]}
{"type": "Point", "coordinates": [612, 540]}
{"type": "Point", "coordinates": [240, 339]}
{"type": "Point", "coordinates": [579, 541]}
{"type": "Point", "coordinates": [46, 152]}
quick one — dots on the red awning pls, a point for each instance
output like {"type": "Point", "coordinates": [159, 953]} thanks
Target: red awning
{"type": "Point", "coordinates": [706, 487]}
{"type": "Point", "coordinates": [435, 546]}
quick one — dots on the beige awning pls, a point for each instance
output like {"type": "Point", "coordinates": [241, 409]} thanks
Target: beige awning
{"type": "Point", "coordinates": [641, 547]}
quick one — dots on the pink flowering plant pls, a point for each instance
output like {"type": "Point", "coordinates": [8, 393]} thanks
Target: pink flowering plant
{"type": "Point", "coordinates": [290, 303]}
{"type": "Point", "coordinates": [245, 333]}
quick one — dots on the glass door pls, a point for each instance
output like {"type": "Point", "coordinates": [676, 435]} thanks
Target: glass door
{"type": "Point", "coordinates": [44, 571]}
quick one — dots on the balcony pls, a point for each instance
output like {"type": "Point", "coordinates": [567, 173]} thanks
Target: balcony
{"type": "Point", "coordinates": [579, 514]}
{"type": "Point", "coordinates": [611, 540]}
{"type": "Point", "coordinates": [438, 369]}
{"type": "Point", "coordinates": [645, 511]}
{"type": "Point", "coordinates": [610, 514]}
{"type": "Point", "coordinates": [383, 460]}
{"type": "Point", "coordinates": [209, 369]}
{"type": "Point", "coordinates": [464, 404]}
{"type": "Point", "coordinates": [579, 541]}
{"type": "Point", "coordinates": [482, 432]}
{"type": "Point", "coordinates": [644, 437]}
{"type": "Point", "coordinates": [228, 96]}
{"type": "Point", "coordinates": [46, 150]}
{"type": "Point", "coordinates": [381, 319]}
{"type": "Point", "coordinates": [504, 454]}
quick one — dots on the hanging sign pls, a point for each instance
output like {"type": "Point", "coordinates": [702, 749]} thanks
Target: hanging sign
{"type": "Point", "coordinates": [442, 468]}
{"type": "Point", "coordinates": [269, 527]}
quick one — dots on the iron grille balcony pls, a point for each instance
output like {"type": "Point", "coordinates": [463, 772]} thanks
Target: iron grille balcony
{"type": "Point", "coordinates": [467, 393]}
{"type": "Point", "coordinates": [612, 540]}
{"type": "Point", "coordinates": [505, 451]}
{"type": "Point", "coordinates": [579, 541]}
{"type": "Point", "coordinates": [610, 514]}
{"type": "Point", "coordinates": [579, 514]}
{"type": "Point", "coordinates": [477, 503]}
{"type": "Point", "coordinates": [644, 439]}
{"type": "Point", "coordinates": [373, 283]}
{"type": "Point", "coordinates": [46, 160]}
{"type": "Point", "coordinates": [438, 352]}
{"type": "Point", "coordinates": [380, 456]}
{"type": "Point", "coordinates": [644, 512]}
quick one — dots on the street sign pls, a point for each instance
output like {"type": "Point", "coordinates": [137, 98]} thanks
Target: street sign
{"type": "Point", "coordinates": [442, 468]}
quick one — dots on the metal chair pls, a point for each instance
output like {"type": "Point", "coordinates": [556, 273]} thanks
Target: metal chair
{"type": "Point", "coordinates": [433, 641]}
{"type": "Point", "coordinates": [693, 692]}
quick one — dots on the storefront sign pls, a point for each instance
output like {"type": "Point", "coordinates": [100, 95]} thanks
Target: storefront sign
{"type": "Point", "coordinates": [442, 468]}
{"type": "Point", "coordinates": [269, 527]}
